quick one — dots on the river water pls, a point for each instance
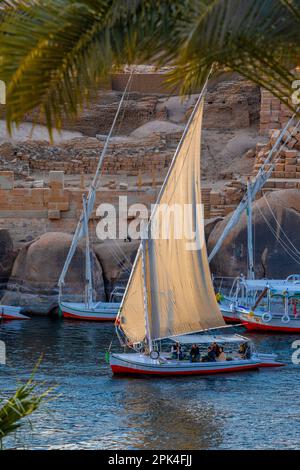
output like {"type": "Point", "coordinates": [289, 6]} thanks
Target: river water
{"type": "Point", "coordinates": [93, 410]}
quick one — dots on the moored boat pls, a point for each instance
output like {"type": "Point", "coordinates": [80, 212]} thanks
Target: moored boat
{"type": "Point", "coordinates": [9, 312]}
{"type": "Point", "coordinates": [230, 312]}
{"type": "Point", "coordinates": [263, 322]}
{"type": "Point", "coordinates": [269, 305]}
{"type": "Point", "coordinates": [249, 294]}
{"type": "Point", "coordinates": [100, 311]}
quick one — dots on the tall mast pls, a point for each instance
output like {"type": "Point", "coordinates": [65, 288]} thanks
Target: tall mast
{"type": "Point", "coordinates": [79, 232]}
{"type": "Point", "coordinates": [146, 293]}
{"type": "Point", "coordinates": [88, 270]}
{"type": "Point", "coordinates": [250, 232]}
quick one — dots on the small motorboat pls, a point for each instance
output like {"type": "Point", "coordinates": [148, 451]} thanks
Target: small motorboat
{"type": "Point", "coordinates": [8, 312]}
{"type": "Point", "coordinates": [165, 364]}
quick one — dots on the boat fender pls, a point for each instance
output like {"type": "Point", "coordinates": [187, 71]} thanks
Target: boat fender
{"type": "Point", "coordinates": [266, 317]}
{"type": "Point", "coordinates": [154, 354]}
{"type": "Point", "coordinates": [285, 319]}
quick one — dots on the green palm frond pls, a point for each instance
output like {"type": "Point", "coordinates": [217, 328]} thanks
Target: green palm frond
{"type": "Point", "coordinates": [259, 39]}
{"type": "Point", "coordinates": [294, 7]}
{"type": "Point", "coordinates": [23, 403]}
{"type": "Point", "coordinates": [54, 54]}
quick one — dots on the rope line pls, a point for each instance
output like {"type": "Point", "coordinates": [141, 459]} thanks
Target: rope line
{"type": "Point", "coordinates": [281, 242]}
{"type": "Point", "coordinates": [294, 249]}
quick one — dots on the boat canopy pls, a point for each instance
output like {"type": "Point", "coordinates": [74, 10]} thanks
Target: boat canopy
{"type": "Point", "coordinates": [208, 339]}
{"type": "Point", "coordinates": [277, 285]}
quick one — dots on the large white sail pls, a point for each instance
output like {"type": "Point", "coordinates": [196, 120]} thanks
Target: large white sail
{"type": "Point", "coordinates": [181, 297]}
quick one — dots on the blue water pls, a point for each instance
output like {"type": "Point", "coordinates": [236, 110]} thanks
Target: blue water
{"type": "Point", "coordinates": [93, 410]}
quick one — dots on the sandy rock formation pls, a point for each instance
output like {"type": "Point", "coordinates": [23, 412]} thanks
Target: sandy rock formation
{"type": "Point", "coordinates": [33, 283]}
{"type": "Point", "coordinates": [281, 212]}
{"type": "Point", "coordinates": [157, 127]}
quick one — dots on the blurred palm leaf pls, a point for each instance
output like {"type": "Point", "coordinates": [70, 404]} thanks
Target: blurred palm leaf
{"type": "Point", "coordinates": [22, 404]}
{"type": "Point", "coordinates": [54, 54]}
{"type": "Point", "coordinates": [259, 39]}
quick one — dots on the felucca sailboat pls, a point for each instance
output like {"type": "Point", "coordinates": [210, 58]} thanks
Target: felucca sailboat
{"type": "Point", "coordinates": [170, 293]}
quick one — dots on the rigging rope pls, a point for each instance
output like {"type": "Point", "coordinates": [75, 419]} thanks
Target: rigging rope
{"type": "Point", "coordinates": [260, 179]}
{"type": "Point", "coordinates": [281, 242]}
{"type": "Point", "coordinates": [119, 254]}
{"type": "Point", "coordinates": [294, 249]}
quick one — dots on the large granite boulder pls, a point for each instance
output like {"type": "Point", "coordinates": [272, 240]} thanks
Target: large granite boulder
{"type": "Point", "coordinates": [276, 228]}
{"type": "Point", "coordinates": [33, 283]}
{"type": "Point", "coordinates": [7, 257]}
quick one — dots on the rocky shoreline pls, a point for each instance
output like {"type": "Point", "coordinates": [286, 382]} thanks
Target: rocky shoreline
{"type": "Point", "coordinates": [30, 274]}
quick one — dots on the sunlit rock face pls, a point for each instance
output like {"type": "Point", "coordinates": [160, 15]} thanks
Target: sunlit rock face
{"type": "Point", "coordinates": [276, 222]}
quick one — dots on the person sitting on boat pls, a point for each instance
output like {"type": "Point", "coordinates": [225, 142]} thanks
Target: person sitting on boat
{"type": "Point", "coordinates": [194, 353]}
{"type": "Point", "coordinates": [176, 351]}
{"type": "Point", "coordinates": [222, 355]}
{"type": "Point", "coordinates": [216, 348]}
{"type": "Point", "coordinates": [245, 351]}
{"type": "Point", "coordinates": [210, 356]}
{"type": "Point", "coordinates": [248, 351]}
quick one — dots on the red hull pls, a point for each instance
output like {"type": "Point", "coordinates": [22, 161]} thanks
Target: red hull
{"type": "Point", "coordinates": [231, 320]}
{"type": "Point", "coordinates": [272, 364]}
{"type": "Point", "coordinates": [12, 317]}
{"type": "Point", "coordinates": [259, 327]}
{"type": "Point", "coordinates": [128, 370]}
{"type": "Point", "coordinates": [77, 317]}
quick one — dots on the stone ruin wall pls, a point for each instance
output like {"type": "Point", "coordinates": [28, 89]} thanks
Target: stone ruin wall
{"type": "Point", "coordinates": [30, 212]}
{"type": "Point", "coordinates": [81, 155]}
{"type": "Point", "coordinates": [273, 114]}
{"type": "Point", "coordinates": [233, 104]}
{"type": "Point", "coordinates": [230, 104]}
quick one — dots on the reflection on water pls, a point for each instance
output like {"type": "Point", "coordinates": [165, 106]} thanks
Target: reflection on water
{"type": "Point", "coordinates": [97, 411]}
